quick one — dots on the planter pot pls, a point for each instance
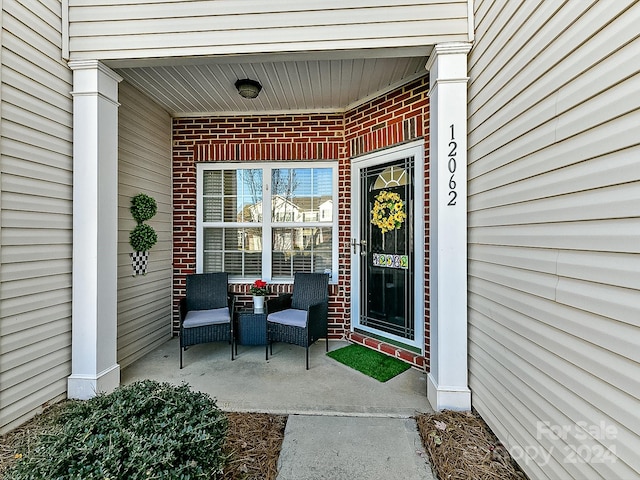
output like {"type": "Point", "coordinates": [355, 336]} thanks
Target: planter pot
{"type": "Point", "coordinates": [258, 304]}
{"type": "Point", "coordinates": [139, 261]}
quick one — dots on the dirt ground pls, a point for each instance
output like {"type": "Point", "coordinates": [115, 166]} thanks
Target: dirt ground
{"type": "Point", "coordinates": [460, 447]}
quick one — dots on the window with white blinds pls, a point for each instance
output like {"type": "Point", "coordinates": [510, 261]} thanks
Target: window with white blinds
{"type": "Point", "coordinates": [267, 220]}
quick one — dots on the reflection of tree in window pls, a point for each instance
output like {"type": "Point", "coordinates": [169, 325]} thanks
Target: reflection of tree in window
{"type": "Point", "coordinates": [283, 184]}
{"type": "Point", "coordinates": [252, 179]}
{"type": "Point", "coordinates": [251, 204]}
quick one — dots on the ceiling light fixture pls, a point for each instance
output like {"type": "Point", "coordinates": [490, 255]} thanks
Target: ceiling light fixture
{"type": "Point", "coordinates": [248, 88]}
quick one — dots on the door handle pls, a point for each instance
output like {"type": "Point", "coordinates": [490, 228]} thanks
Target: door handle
{"type": "Point", "coordinates": [362, 244]}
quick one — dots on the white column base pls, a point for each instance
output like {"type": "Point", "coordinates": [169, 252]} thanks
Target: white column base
{"type": "Point", "coordinates": [84, 387]}
{"type": "Point", "coordinates": [442, 397]}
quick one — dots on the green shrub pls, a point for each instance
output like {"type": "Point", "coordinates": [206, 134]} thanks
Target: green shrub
{"type": "Point", "coordinates": [146, 430]}
{"type": "Point", "coordinates": [143, 207]}
{"type": "Point", "coordinates": [143, 237]}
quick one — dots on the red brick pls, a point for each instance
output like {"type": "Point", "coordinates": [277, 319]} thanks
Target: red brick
{"type": "Point", "coordinates": [405, 355]}
{"type": "Point", "coordinates": [388, 349]}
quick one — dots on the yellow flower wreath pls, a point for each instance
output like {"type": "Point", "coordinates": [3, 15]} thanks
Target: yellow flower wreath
{"type": "Point", "coordinates": [388, 211]}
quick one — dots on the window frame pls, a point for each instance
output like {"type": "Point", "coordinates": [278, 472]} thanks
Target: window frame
{"type": "Point", "coordinates": [267, 225]}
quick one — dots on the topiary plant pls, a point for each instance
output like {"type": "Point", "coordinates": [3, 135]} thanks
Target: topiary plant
{"type": "Point", "coordinates": [143, 237]}
{"type": "Point", "coordinates": [140, 431]}
{"type": "Point", "coordinates": [143, 207]}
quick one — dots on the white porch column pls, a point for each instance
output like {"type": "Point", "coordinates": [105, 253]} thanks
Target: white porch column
{"type": "Point", "coordinates": [95, 227]}
{"type": "Point", "coordinates": [447, 385]}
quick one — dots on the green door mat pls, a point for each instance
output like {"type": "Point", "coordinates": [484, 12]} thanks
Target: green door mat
{"type": "Point", "coordinates": [372, 363]}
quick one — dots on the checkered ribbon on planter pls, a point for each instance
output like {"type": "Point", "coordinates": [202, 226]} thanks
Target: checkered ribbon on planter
{"type": "Point", "coordinates": [139, 262]}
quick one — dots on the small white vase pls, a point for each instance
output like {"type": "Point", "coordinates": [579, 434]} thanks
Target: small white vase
{"type": "Point", "coordinates": [258, 304]}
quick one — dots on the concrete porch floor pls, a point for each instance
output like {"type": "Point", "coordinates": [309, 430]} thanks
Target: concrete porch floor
{"type": "Point", "coordinates": [282, 385]}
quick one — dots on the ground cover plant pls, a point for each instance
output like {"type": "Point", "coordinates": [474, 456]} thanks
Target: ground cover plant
{"type": "Point", "coordinates": [145, 430]}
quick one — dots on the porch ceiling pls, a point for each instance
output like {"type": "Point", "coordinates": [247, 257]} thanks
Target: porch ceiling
{"type": "Point", "coordinates": [294, 83]}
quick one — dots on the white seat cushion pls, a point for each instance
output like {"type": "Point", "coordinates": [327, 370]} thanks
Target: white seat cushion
{"type": "Point", "coordinates": [292, 317]}
{"type": "Point", "coordinates": [200, 318]}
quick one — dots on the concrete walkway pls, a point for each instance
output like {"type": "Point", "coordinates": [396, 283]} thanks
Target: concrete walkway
{"type": "Point", "coordinates": [342, 424]}
{"type": "Point", "coordinates": [352, 448]}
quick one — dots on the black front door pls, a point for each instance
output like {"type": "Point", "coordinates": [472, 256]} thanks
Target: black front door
{"type": "Point", "coordinates": [386, 249]}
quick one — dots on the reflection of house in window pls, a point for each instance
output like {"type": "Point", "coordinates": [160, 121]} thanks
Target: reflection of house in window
{"type": "Point", "coordinates": [299, 210]}
{"type": "Point", "coordinates": [326, 211]}
{"type": "Point", "coordinates": [284, 210]}
{"type": "Point", "coordinates": [301, 232]}
{"type": "Point", "coordinates": [251, 213]}
{"type": "Point", "coordinates": [296, 210]}
{"type": "Point", "coordinates": [250, 239]}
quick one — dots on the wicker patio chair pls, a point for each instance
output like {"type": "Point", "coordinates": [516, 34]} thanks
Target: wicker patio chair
{"type": "Point", "coordinates": [300, 318]}
{"type": "Point", "coordinates": [206, 312]}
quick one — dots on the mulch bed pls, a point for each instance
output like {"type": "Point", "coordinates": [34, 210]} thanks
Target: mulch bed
{"type": "Point", "coordinates": [462, 447]}
{"type": "Point", "coordinates": [254, 441]}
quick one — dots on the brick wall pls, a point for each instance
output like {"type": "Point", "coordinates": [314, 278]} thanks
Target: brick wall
{"type": "Point", "coordinates": [399, 116]}
{"type": "Point", "coordinates": [256, 138]}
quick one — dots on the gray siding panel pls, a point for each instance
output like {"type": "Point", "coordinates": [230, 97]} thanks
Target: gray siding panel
{"type": "Point", "coordinates": [132, 29]}
{"type": "Point", "coordinates": [554, 223]}
{"type": "Point", "coordinates": [144, 149]}
{"type": "Point", "coordinates": [35, 211]}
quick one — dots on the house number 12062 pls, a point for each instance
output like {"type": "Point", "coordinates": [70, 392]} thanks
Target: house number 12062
{"type": "Point", "coordinates": [451, 165]}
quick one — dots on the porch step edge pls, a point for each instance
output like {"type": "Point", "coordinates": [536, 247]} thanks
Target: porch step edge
{"type": "Point", "coordinates": [414, 359]}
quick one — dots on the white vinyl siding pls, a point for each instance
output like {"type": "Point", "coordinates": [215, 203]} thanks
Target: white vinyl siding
{"type": "Point", "coordinates": [144, 166]}
{"type": "Point", "coordinates": [144, 29]}
{"type": "Point", "coordinates": [554, 232]}
{"type": "Point", "coordinates": [35, 211]}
